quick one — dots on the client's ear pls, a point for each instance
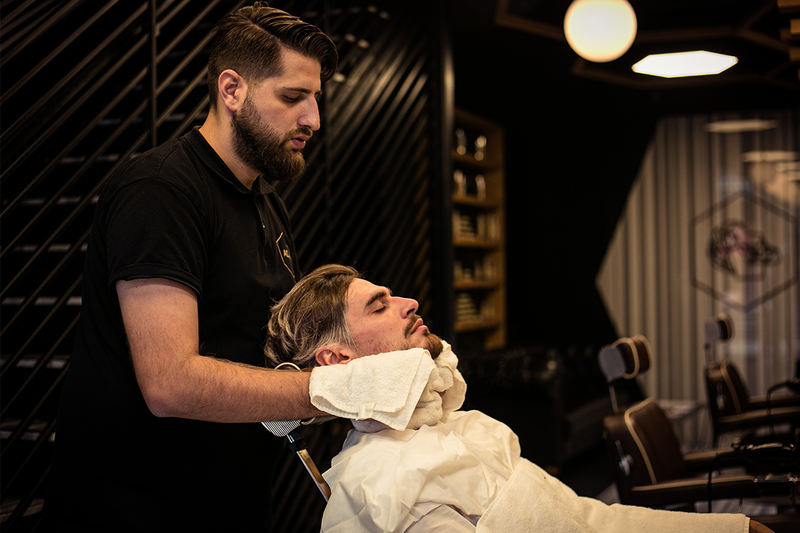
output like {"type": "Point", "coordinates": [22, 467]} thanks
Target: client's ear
{"type": "Point", "coordinates": [332, 355]}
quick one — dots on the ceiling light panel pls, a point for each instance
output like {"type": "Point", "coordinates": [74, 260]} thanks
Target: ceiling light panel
{"type": "Point", "coordinates": [682, 64]}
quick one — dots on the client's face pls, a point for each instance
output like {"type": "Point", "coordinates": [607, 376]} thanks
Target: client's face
{"type": "Point", "coordinates": [380, 322]}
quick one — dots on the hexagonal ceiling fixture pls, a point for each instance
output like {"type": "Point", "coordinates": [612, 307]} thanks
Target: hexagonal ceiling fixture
{"type": "Point", "coordinates": [683, 64]}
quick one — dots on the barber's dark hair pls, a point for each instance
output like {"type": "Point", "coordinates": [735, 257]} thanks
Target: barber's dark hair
{"type": "Point", "coordinates": [310, 316]}
{"type": "Point", "coordinates": [249, 41]}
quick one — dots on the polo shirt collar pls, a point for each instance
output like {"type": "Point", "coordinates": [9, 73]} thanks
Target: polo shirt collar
{"type": "Point", "coordinates": [215, 163]}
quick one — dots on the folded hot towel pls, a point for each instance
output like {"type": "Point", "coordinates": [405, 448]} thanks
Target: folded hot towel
{"type": "Point", "coordinates": [383, 387]}
{"type": "Point", "coordinates": [443, 394]}
{"type": "Point", "coordinates": [399, 390]}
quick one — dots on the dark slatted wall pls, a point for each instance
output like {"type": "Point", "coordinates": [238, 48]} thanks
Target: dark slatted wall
{"type": "Point", "coordinates": [78, 95]}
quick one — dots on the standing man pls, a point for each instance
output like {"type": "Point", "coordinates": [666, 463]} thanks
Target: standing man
{"type": "Point", "coordinates": [157, 428]}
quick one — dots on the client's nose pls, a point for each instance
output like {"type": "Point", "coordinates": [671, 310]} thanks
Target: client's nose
{"type": "Point", "coordinates": [408, 307]}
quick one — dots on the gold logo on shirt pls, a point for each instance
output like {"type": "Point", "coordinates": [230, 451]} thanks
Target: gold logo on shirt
{"type": "Point", "coordinates": [285, 255]}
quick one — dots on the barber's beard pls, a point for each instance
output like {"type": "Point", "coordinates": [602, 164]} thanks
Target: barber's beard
{"type": "Point", "coordinates": [260, 147]}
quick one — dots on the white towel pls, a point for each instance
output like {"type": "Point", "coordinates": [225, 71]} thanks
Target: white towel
{"type": "Point", "coordinates": [396, 389]}
{"type": "Point", "coordinates": [443, 394]}
{"type": "Point", "coordinates": [383, 387]}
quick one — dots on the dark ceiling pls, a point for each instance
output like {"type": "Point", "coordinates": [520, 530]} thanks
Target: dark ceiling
{"type": "Point", "coordinates": [576, 132]}
{"type": "Point", "coordinates": [756, 31]}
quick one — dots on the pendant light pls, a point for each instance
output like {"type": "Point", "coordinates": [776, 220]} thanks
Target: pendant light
{"type": "Point", "coordinates": [600, 30]}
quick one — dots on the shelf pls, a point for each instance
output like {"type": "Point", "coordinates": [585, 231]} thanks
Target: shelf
{"type": "Point", "coordinates": [476, 325]}
{"type": "Point", "coordinates": [475, 243]}
{"type": "Point", "coordinates": [465, 285]}
{"type": "Point", "coordinates": [474, 202]}
{"type": "Point", "coordinates": [478, 237]}
{"type": "Point", "coordinates": [469, 160]}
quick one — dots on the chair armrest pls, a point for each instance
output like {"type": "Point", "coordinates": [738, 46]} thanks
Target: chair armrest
{"type": "Point", "coordinates": [774, 457]}
{"type": "Point", "coordinates": [703, 461]}
{"type": "Point", "coordinates": [775, 400]}
{"type": "Point", "coordinates": [693, 490]}
{"type": "Point", "coordinates": [760, 417]}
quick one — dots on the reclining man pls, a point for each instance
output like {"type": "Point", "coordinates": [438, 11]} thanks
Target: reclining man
{"type": "Point", "coordinates": [443, 470]}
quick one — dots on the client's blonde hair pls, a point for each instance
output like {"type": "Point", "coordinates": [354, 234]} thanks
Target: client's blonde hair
{"type": "Point", "coordinates": [310, 316]}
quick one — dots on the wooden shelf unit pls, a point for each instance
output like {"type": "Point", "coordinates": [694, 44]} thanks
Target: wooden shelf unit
{"type": "Point", "coordinates": [479, 231]}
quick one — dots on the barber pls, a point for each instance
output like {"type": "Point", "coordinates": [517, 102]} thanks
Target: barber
{"type": "Point", "coordinates": [189, 249]}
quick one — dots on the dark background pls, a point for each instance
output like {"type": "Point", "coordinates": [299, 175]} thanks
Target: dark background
{"type": "Point", "coordinates": [573, 145]}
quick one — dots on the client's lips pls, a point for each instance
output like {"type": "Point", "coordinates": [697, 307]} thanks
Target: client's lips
{"type": "Point", "coordinates": [418, 325]}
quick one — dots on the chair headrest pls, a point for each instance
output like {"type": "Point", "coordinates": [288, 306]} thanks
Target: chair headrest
{"type": "Point", "coordinates": [719, 328]}
{"type": "Point", "coordinates": [626, 358]}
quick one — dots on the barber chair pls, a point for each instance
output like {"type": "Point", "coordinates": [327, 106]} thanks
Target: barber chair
{"type": "Point", "coordinates": [731, 407]}
{"type": "Point", "coordinates": [645, 453]}
{"type": "Point", "coordinates": [623, 361]}
{"type": "Point", "coordinates": [734, 410]}
{"type": "Point", "coordinates": [297, 485]}
{"type": "Point", "coordinates": [718, 329]}
{"type": "Point", "coordinates": [289, 429]}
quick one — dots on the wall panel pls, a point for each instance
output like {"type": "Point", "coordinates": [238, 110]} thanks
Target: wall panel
{"type": "Point", "coordinates": [660, 279]}
{"type": "Point", "coordinates": [88, 84]}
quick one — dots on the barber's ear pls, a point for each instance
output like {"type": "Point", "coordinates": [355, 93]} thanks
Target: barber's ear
{"type": "Point", "coordinates": [331, 355]}
{"type": "Point", "coordinates": [232, 89]}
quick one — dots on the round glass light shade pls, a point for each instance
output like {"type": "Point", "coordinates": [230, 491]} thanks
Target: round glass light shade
{"type": "Point", "coordinates": [600, 30]}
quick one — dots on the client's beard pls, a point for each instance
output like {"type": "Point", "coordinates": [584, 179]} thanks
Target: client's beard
{"type": "Point", "coordinates": [434, 345]}
{"type": "Point", "coordinates": [259, 146]}
{"type": "Point", "coordinates": [433, 342]}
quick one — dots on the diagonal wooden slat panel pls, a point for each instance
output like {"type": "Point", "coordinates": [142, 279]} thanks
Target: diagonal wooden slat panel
{"type": "Point", "coordinates": [366, 198]}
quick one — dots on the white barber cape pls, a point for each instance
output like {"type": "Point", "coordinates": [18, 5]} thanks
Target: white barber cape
{"type": "Point", "coordinates": [463, 473]}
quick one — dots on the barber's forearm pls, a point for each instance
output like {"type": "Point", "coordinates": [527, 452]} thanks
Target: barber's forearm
{"type": "Point", "coordinates": [161, 323]}
{"type": "Point", "coordinates": [217, 390]}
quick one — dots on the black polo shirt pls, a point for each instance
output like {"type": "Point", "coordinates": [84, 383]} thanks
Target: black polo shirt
{"type": "Point", "coordinates": [175, 212]}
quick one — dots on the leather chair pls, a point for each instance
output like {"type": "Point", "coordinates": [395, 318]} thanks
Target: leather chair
{"type": "Point", "coordinates": [650, 469]}
{"type": "Point", "coordinates": [730, 405]}
{"type": "Point", "coordinates": [717, 329]}
{"type": "Point", "coordinates": [645, 453]}
{"type": "Point", "coordinates": [732, 408]}
{"type": "Point", "coordinates": [622, 361]}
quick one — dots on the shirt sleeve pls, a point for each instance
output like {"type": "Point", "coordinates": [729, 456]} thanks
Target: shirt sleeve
{"type": "Point", "coordinates": [154, 230]}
